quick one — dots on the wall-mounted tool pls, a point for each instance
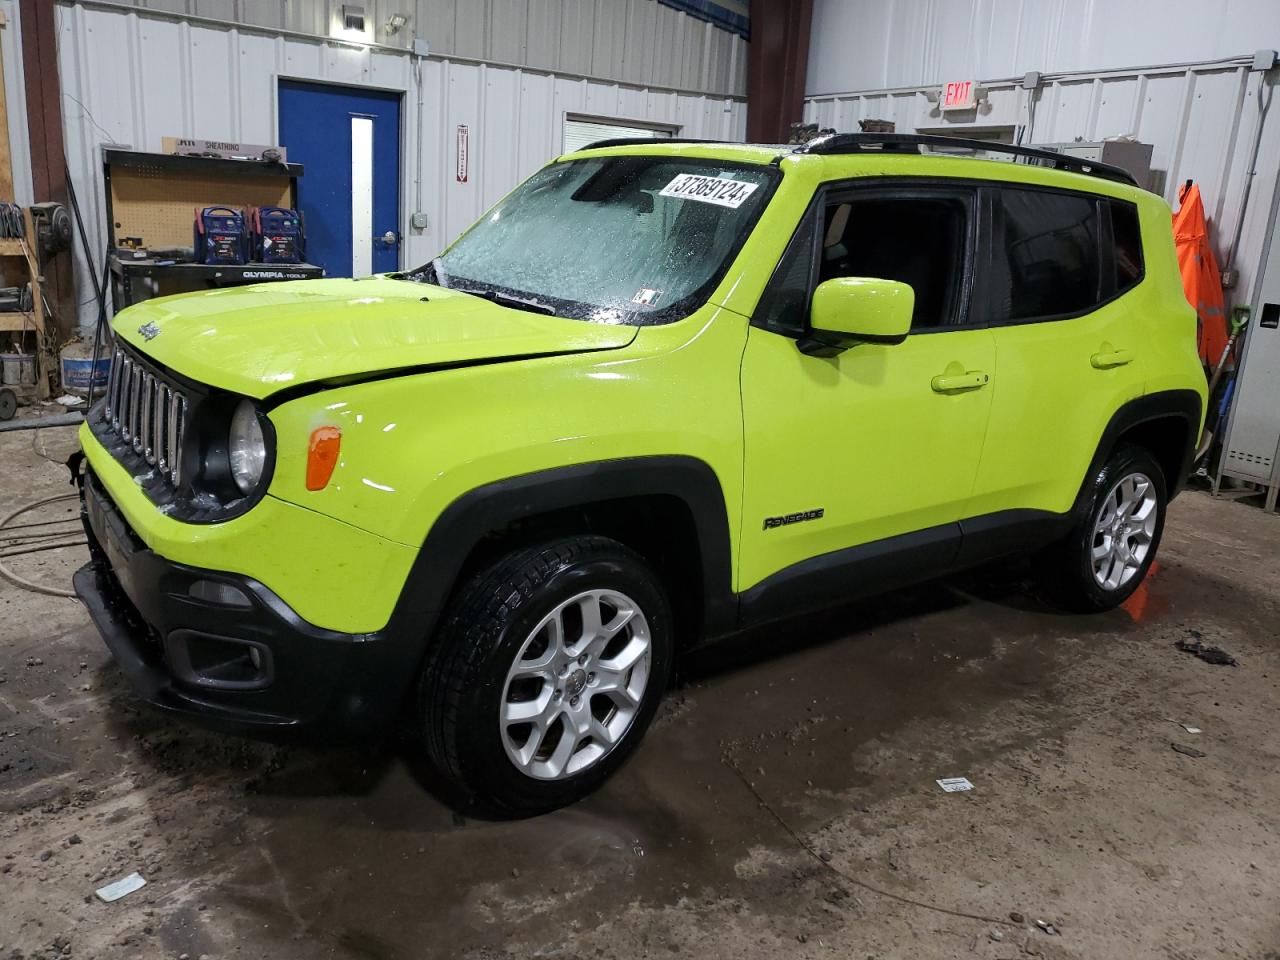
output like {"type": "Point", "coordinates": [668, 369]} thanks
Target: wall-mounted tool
{"type": "Point", "coordinates": [53, 227]}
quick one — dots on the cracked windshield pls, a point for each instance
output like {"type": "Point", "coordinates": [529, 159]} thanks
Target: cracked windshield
{"type": "Point", "coordinates": [637, 240]}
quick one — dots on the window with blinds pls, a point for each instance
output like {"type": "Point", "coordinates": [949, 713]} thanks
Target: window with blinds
{"type": "Point", "coordinates": [582, 133]}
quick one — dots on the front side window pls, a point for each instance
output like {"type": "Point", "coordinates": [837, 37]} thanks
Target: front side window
{"type": "Point", "coordinates": [917, 240]}
{"type": "Point", "coordinates": [1047, 262]}
{"type": "Point", "coordinates": [636, 240]}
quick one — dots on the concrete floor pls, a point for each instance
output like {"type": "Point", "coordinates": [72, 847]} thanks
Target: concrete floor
{"type": "Point", "coordinates": [784, 803]}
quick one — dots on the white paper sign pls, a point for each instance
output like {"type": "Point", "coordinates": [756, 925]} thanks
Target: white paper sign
{"type": "Point", "coordinates": [121, 888]}
{"type": "Point", "coordinates": [954, 784]}
{"type": "Point", "coordinates": [721, 191]}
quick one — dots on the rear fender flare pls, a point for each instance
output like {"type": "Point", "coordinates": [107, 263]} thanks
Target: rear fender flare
{"type": "Point", "coordinates": [1181, 404]}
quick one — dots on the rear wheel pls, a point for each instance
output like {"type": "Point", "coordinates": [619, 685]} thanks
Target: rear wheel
{"type": "Point", "coordinates": [546, 672]}
{"type": "Point", "coordinates": [1108, 554]}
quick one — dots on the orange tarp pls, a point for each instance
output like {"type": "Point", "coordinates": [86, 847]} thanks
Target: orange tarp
{"type": "Point", "coordinates": [1200, 277]}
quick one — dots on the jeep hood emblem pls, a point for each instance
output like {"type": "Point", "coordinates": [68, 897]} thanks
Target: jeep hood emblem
{"type": "Point", "coordinates": [149, 331]}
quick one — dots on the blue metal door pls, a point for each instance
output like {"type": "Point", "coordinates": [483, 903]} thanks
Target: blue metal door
{"type": "Point", "coordinates": [348, 141]}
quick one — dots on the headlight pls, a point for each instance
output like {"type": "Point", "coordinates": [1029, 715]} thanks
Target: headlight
{"type": "Point", "coordinates": [247, 448]}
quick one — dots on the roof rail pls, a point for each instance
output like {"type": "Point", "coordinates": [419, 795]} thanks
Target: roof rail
{"type": "Point", "coordinates": [640, 141]}
{"type": "Point", "coordinates": [912, 142]}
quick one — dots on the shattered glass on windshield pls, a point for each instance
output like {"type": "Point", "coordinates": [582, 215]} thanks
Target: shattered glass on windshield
{"type": "Point", "coordinates": [637, 240]}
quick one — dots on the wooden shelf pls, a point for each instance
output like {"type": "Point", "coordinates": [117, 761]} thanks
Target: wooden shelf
{"type": "Point", "coordinates": [15, 320]}
{"type": "Point", "coordinates": [158, 164]}
{"type": "Point", "coordinates": [12, 247]}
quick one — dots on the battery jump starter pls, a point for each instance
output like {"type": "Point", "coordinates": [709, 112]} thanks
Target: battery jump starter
{"type": "Point", "coordinates": [278, 236]}
{"type": "Point", "coordinates": [220, 236]}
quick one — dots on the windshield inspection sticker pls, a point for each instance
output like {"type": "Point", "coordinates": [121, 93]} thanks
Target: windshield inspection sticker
{"type": "Point", "coordinates": [646, 296]}
{"type": "Point", "coordinates": [721, 191]}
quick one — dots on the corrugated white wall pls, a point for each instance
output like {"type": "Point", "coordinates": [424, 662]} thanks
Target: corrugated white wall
{"type": "Point", "coordinates": [881, 44]}
{"type": "Point", "coordinates": [633, 41]}
{"type": "Point", "coordinates": [133, 77]}
{"type": "Point", "coordinates": [16, 101]}
{"type": "Point", "coordinates": [877, 58]}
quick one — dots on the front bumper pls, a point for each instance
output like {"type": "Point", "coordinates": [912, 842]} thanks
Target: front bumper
{"type": "Point", "coordinates": [224, 650]}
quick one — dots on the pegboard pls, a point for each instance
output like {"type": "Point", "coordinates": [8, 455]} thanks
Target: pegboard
{"type": "Point", "coordinates": [157, 201]}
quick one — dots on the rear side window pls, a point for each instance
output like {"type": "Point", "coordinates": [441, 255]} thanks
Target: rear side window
{"type": "Point", "coordinates": [1047, 261]}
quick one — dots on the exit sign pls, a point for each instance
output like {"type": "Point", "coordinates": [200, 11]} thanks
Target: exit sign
{"type": "Point", "coordinates": [959, 95]}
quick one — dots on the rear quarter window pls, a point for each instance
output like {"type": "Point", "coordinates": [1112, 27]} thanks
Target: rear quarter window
{"type": "Point", "coordinates": [1059, 254]}
{"type": "Point", "coordinates": [1126, 247]}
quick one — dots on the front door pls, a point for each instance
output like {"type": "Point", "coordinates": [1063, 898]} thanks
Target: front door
{"type": "Point", "coordinates": [348, 141]}
{"type": "Point", "coordinates": [883, 440]}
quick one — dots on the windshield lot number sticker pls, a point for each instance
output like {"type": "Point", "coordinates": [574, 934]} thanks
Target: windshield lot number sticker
{"type": "Point", "coordinates": [646, 296]}
{"type": "Point", "coordinates": [721, 191]}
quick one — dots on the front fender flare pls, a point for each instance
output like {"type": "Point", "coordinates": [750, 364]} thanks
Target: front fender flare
{"type": "Point", "coordinates": [469, 518]}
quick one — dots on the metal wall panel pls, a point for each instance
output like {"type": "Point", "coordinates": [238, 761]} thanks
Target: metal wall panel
{"type": "Point", "coordinates": [631, 41]}
{"type": "Point", "coordinates": [1199, 112]}
{"type": "Point", "coordinates": [882, 44]}
{"type": "Point", "coordinates": [141, 76]}
{"type": "Point", "coordinates": [16, 102]}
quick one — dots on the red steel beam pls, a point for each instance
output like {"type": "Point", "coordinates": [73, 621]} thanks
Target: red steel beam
{"type": "Point", "coordinates": [777, 62]}
{"type": "Point", "coordinates": [44, 125]}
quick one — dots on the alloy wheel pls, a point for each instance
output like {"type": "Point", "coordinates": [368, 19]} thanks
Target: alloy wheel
{"type": "Point", "coordinates": [576, 685]}
{"type": "Point", "coordinates": [1123, 530]}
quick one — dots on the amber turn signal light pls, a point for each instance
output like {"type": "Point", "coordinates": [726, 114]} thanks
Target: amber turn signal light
{"type": "Point", "coordinates": [322, 456]}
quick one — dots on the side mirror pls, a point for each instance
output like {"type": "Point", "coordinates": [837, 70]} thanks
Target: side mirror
{"type": "Point", "coordinates": [851, 310]}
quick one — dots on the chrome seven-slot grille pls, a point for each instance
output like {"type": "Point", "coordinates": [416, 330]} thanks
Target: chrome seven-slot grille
{"type": "Point", "coordinates": [148, 413]}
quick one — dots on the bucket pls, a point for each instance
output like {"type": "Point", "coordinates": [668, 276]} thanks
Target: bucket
{"type": "Point", "coordinates": [17, 369]}
{"type": "Point", "coordinates": [75, 373]}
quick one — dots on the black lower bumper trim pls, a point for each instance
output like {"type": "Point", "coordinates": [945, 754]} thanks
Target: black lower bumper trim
{"type": "Point", "coordinates": [295, 680]}
{"type": "Point", "coordinates": [148, 676]}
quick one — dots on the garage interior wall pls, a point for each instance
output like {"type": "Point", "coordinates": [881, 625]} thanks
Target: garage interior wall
{"type": "Point", "coordinates": [16, 102]}
{"type": "Point", "coordinates": [131, 76]}
{"type": "Point", "coordinates": [640, 42]}
{"type": "Point", "coordinates": [1175, 76]}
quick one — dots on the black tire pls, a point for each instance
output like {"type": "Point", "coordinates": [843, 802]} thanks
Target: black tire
{"type": "Point", "coordinates": [1067, 569]}
{"type": "Point", "coordinates": [485, 628]}
{"type": "Point", "coordinates": [8, 403]}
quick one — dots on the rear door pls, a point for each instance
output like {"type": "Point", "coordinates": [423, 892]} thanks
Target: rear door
{"type": "Point", "coordinates": [1068, 350]}
{"type": "Point", "coordinates": [870, 444]}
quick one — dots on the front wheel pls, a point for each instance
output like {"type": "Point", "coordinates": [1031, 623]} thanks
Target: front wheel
{"type": "Point", "coordinates": [547, 669]}
{"type": "Point", "coordinates": [1105, 558]}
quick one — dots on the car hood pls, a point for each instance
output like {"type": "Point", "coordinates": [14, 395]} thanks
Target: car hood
{"type": "Point", "coordinates": [261, 339]}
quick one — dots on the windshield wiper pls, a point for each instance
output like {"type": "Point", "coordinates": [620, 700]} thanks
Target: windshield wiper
{"type": "Point", "coordinates": [507, 300]}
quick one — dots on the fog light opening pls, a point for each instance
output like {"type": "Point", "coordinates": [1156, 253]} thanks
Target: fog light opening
{"type": "Point", "coordinates": [219, 593]}
{"type": "Point", "coordinates": [222, 663]}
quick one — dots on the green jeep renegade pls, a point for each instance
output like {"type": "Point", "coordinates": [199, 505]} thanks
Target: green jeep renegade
{"type": "Point", "coordinates": [659, 392]}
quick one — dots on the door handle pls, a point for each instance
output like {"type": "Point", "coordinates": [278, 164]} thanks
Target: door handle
{"type": "Point", "coordinates": [950, 382]}
{"type": "Point", "coordinates": [1113, 358]}
{"type": "Point", "coordinates": [390, 238]}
